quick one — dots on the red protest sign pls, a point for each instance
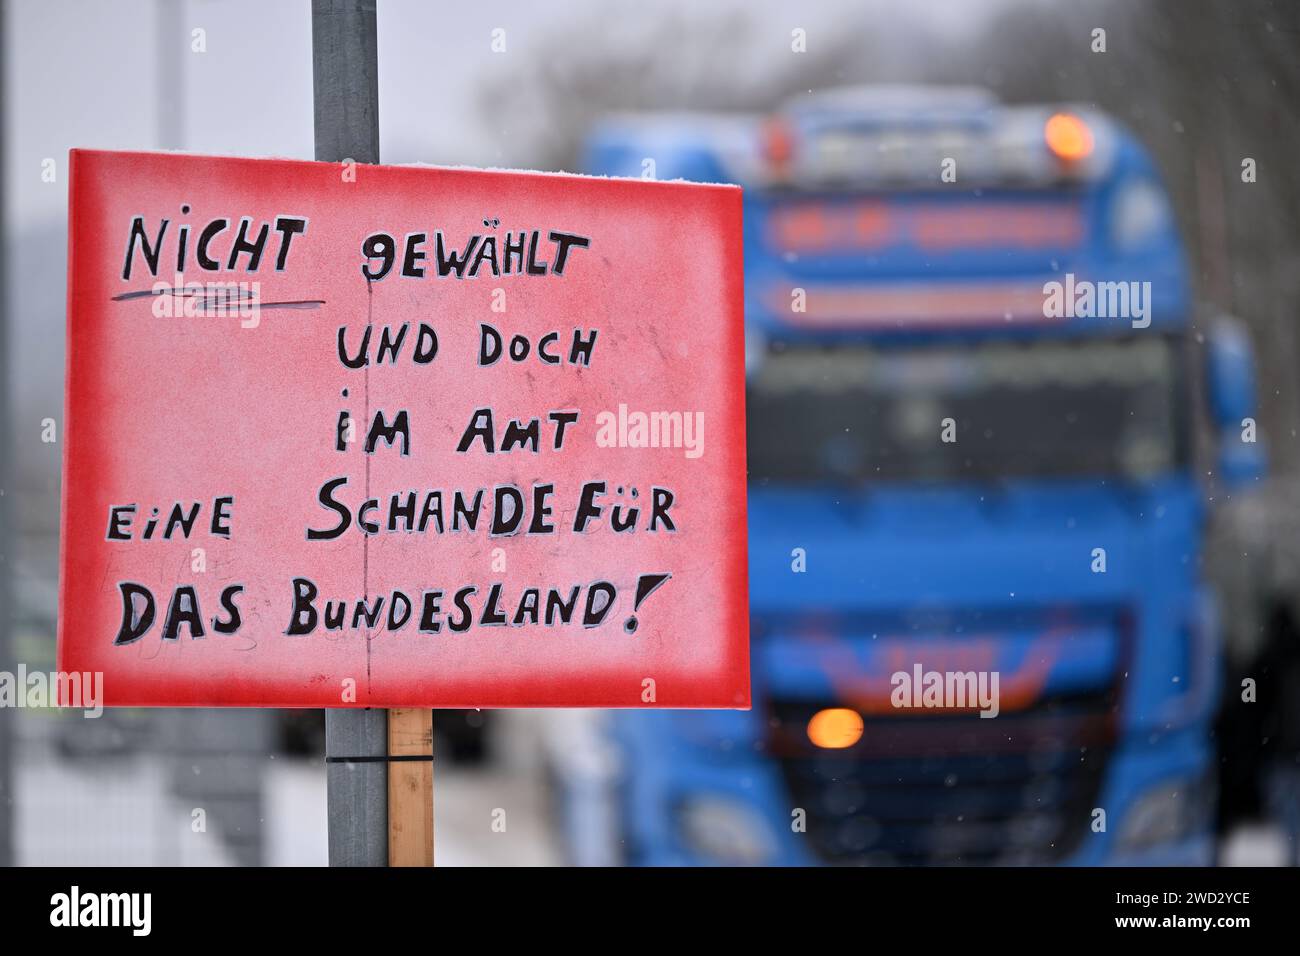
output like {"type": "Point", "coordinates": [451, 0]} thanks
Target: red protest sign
{"type": "Point", "coordinates": [386, 436]}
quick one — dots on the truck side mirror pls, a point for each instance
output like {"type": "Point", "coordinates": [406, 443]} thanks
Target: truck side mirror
{"type": "Point", "coordinates": [1230, 382]}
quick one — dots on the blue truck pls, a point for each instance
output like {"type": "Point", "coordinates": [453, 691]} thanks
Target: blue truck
{"type": "Point", "coordinates": [980, 434]}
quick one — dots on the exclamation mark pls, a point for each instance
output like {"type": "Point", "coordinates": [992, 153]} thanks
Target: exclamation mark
{"type": "Point", "coordinates": [646, 585]}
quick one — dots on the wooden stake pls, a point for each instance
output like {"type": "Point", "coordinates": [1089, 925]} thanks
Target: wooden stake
{"type": "Point", "coordinates": [410, 787]}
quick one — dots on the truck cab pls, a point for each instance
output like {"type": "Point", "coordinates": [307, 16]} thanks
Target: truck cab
{"type": "Point", "coordinates": [973, 404]}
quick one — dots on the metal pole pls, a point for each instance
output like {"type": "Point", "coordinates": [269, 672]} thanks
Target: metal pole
{"type": "Point", "coordinates": [6, 542]}
{"type": "Point", "coordinates": [169, 101]}
{"type": "Point", "coordinates": [345, 75]}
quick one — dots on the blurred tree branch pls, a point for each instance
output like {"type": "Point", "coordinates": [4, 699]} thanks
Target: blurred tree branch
{"type": "Point", "coordinates": [1204, 83]}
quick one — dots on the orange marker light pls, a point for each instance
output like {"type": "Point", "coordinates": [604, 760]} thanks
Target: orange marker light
{"type": "Point", "coordinates": [835, 728]}
{"type": "Point", "coordinates": [777, 142]}
{"type": "Point", "coordinates": [1068, 137]}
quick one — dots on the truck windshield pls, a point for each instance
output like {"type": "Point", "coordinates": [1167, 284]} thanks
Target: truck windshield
{"type": "Point", "coordinates": [972, 412]}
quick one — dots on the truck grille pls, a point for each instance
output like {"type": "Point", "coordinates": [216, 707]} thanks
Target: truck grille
{"type": "Point", "coordinates": [929, 789]}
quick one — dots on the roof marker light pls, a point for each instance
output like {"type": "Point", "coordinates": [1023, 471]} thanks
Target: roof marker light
{"type": "Point", "coordinates": [777, 142]}
{"type": "Point", "coordinates": [1068, 137]}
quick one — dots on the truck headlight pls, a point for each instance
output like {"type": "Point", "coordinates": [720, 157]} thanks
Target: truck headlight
{"type": "Point", "coordinates": [1165, 813]}
{"type": "Point", "coordinates": [729, 831]}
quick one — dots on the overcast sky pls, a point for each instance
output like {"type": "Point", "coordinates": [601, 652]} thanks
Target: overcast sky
{"type": "Point", "coordinates": [121, 74]}
{"type": "Point", "coordinates": [94, 73]}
